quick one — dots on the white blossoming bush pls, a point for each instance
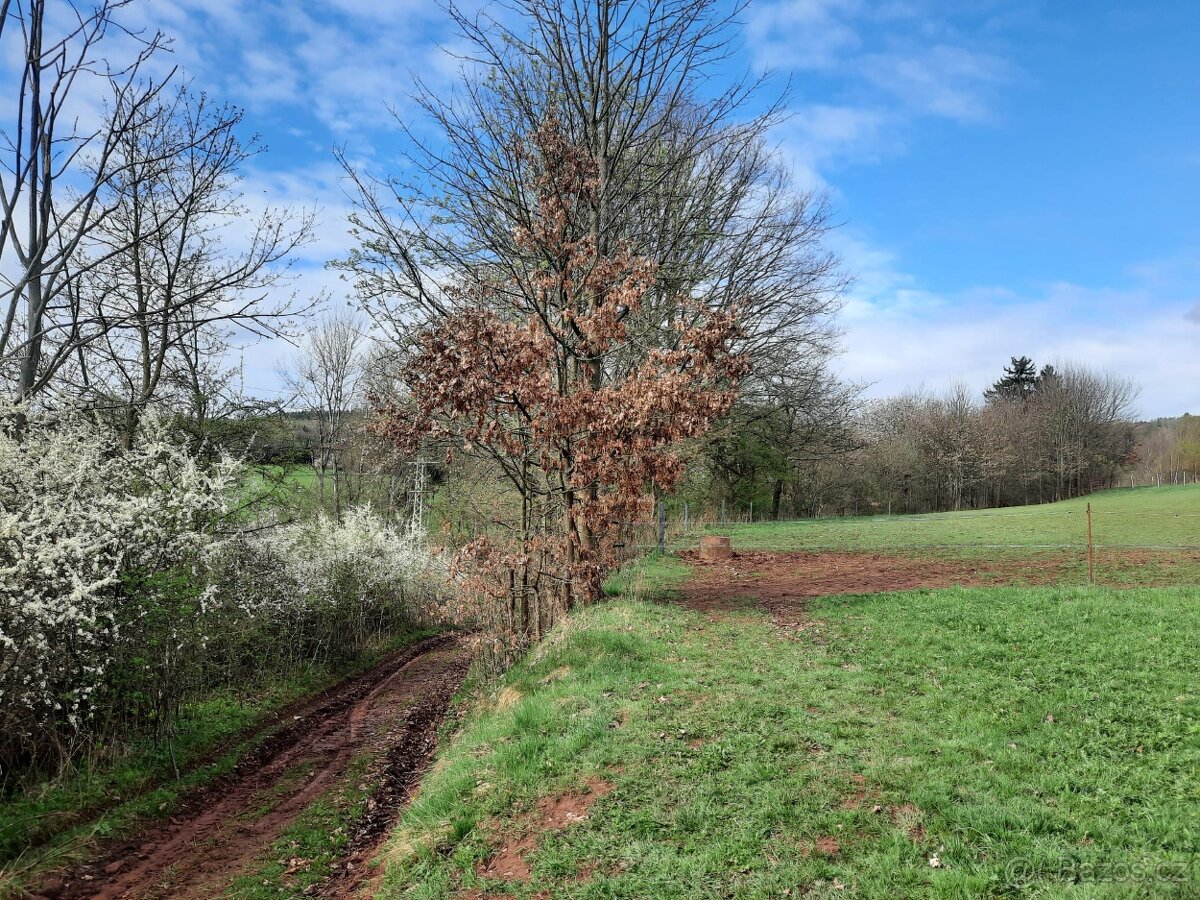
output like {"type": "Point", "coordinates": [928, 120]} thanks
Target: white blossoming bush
{"type": "Point", "coordinates": [131, 581]}
{"type": "Point", "coordinates": [83, 524]}
{"type": "Point", "coordinates": [329, 588]}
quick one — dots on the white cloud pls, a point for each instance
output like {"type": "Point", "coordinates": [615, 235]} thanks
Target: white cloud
{"type": "Point", "coordinates": [884, 67]}
{"type": "Point", "coordinates": [315, 186]}
{"type": "Point", "coordinates": [804, 34]}
{"type": "Point", "coordinates": [343, 62]}
{"type": "Point", "coordinates": [881, 70]}
{"type": "Point", "coordinates": [900, 337]}
{"type": "Point", "coordinates": [819, 136]}
{"type": "Point", "coordinates": [945, 81]}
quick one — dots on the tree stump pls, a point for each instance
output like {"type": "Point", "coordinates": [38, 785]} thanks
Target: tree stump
{"type": "Point", "coordinates": [715, 547]}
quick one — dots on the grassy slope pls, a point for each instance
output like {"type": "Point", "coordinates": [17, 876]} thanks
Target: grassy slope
{"type": "Point", "coordinates": [1019, 735]}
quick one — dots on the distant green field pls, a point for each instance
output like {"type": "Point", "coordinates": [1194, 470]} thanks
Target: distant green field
{"type": "Point", "coordinates": [1137, 517]}
{"type": "Point", "coordinates": [296, 476]}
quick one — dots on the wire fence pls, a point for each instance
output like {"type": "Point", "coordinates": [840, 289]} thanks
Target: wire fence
{"type": "Point", "coordinates": [1098, 537]}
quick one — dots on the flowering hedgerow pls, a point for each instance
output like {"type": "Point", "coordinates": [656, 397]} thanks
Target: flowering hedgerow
{"type": "Point", "coordinates": [77, 515]}
{"type": "Point", "coordinates": [126, 587]}
{"type": "Point", "coordinates": [328, 587]}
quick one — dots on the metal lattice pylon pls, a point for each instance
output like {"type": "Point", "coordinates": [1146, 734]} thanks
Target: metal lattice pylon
{"type": "Point", "coordinates": [416, 519]}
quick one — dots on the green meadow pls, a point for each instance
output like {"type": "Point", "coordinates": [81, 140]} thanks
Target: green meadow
{"type": "Point", "coordinates": [1123, 518]}
{"type": "Point", "coordinates": [1006, 741]}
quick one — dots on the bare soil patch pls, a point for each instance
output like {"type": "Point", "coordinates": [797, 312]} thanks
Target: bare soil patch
{"type": "Point", "coordinates": [828, 846]}
{"type": "Point", "coordinates": [782, 583]}
{"type": "Point", "coordinates": [509, 862]}
{"type": "Point", "coordinates": [392, 711]}
{"type": "Point", "coordinates": [908, 819]}
{"type": "Point", "coordinates": [862, 795]}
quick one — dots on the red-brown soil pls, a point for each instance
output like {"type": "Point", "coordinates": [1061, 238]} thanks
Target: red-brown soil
{"type": "Point", "coordinates": [508, 862]}
{"type": "Point", "coordinates": [782, 583]}
{"type": "Point", "coordinates": [392, 712]}
{"type": "Point", "coordinates": [828, 846]}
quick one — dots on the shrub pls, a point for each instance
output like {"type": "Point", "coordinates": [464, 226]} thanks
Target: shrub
{"type": "Point", "coordinates": [88, 533]}
{"type": "Point", "coordinates": [131, 582]}
{"type": "Point", "coordinates": [327, 589]}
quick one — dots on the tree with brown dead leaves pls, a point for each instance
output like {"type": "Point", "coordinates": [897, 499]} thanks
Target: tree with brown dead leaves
{"type": "Point", "coordinates": [536, 389]}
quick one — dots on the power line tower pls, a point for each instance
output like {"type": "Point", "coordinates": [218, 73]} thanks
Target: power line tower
{"type": "Point", "coordinates": [416, 519]}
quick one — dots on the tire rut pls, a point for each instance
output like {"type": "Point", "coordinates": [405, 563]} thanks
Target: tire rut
{"type": "Point", "coordinates": [392, 712]}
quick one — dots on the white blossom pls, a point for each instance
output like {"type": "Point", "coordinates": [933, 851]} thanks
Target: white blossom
{"type": "Point", "coordinates": [127, 564]}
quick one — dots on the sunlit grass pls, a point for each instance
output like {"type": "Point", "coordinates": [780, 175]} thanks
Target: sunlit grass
{"type": "Point", "coordinates": [958, 743]}
{"type": "Point", "coordinates": [1152, 516]}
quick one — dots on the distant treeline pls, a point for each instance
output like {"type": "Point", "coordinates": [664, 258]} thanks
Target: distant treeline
{"type": "Point", "coordinates": [1035, 436]}
{"type": "Point", "coordinates": [1168, 452]}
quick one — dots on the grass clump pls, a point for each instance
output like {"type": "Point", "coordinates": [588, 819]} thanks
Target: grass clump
{"type": "Point", "coordinates": [654, 577]}
{"type": "Point", "coordinates": [305, 853]}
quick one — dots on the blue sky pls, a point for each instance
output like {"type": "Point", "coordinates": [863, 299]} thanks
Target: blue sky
{"type": "Point", "coordinates": [1012, 177]}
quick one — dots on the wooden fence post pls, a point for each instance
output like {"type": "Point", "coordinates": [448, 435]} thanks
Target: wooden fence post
{"type": "Point", "coordinates": [1091, 549]}
{"type": "Point", "coordinates": [662, 527]}
{"type": "Point", "coordinates": [685, 516]}
{"type": "Point", "coordinates": [751, 512]}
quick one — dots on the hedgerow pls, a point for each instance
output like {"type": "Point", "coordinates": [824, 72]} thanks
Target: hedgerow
{"type": "Point", "coordinates": [133, 582]}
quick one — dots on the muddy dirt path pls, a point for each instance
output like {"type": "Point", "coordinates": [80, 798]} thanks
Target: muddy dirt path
{"type": "Point", "coordinates": [391, 713]}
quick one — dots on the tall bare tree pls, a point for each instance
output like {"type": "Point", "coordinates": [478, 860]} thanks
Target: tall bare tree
{"type": "Point", "coordinates": [182, 262]}
{"type": "Point", "coordinates": [55, 169]}
{"type": "Point", "coordinates": [324, 377]}
{"type": "Point", "coordinates": [1082, 420]}
{"type": "Point", "coordinates": [686, 178]}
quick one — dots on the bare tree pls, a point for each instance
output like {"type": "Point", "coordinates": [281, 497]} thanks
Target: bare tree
{"type": "Point", "coordinates": [55, 170]}
{"type": "Point", "coordinates": [1082, 417]}
{"type": "Point", "coordinates": [1066, 433]}
{"type": "Point", "coordinates": [182, 263]}
{"type": "Point", "coordinates": [684, 179]}
{"type": "Point", "coordinates": [1168, 451]}
{"type": "Point", "coordinates": [776, 438]}
{"type": "Point", "coordinates": [324, 377]}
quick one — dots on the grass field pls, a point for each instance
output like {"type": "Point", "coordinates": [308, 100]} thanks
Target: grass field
{"type": "Point", "coordinates": [1137, 517]}
{"type": "Point", "coordinates": [966, 742]}
{"type": "Point", "coordinates": [1142, 537]}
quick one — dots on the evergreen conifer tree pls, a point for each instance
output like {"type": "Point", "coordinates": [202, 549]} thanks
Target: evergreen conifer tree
{"type": "Point", "coordinates": [1019, 382]}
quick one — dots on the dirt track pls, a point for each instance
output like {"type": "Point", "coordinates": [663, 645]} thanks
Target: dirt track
{"type": "Point", "coordinates": [391, 712]}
